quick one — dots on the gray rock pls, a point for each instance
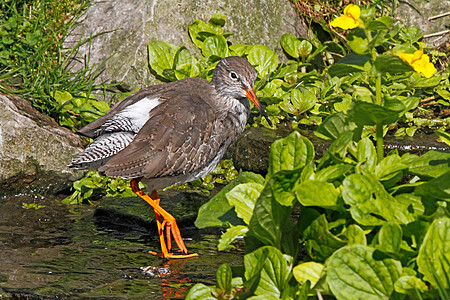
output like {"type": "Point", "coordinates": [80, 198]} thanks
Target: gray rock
{"type": "Point", "coordinates": [132, 24]}
{"type": "Point", "coordinates": [417, 13]}
{"type": "Point", "coordinates": [34, 150]}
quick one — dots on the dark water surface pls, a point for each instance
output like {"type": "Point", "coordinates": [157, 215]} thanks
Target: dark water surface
{"type": "Point", "coordinates": [100, 250]}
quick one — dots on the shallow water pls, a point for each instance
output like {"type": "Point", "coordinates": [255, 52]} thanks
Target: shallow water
{"type": "Point", "coordinates": [100, 250]}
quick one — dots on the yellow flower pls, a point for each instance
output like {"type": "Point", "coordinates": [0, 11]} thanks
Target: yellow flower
{"type": "Point", "coordinates": [420, 62]}
{"type": "Point", "coordinates": [350, 19]}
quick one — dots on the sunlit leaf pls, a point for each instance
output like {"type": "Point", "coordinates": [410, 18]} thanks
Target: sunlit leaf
{"type": "Point", "coordinates": [389, 237]}
{"type": "Point", "coordinates": [243, 198]}
{"type": "Point", "coordinates": [317, 193]}
{"type": "Point", "coordinates": [232, 233]}
{"type": "Point", "coordinates": [218, 212]}
{"type": "Point", "coordinates": [263, 59]}
{"type": "Point", "coordinates": [223, 278]}
{"type": "Point", "coordinates": [215, 45]}
{"type": "Point", "coordinates": [434, 253]}
{"type": "Point", "coordinates": [355, 235]}
{"type": "Point", "coordinates": [431, 164]}
{"type": "Point", "coordinates": [201, 291]}
{"type": "Point", "coordinates": [352, 273]}
{"type": "Point", "coordinates": [308, 271]}
{"type": "Point", "coordinates": [290, 153]}
{"type": "Point", "coordinates": [161, 56]}
{"type": "Point", "coordinates": [291, 45]}
{"type": "Point", "coordinates": [410, 285]}
{"type": "Point", "coordinates": [269, 271]}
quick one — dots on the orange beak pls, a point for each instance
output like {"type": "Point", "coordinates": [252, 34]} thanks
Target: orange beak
{"type": "Point", "coordinates": [252, 97]}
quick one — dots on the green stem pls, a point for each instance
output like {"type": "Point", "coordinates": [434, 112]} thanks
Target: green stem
{"type": "Point", "coordinates": [379, 127]}
{"type": "Point", "coordinates": [380, 142]}
{"type": "Point", "coordinates": [378, 90]}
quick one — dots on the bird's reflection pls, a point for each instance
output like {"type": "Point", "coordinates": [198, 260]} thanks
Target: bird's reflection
{"type": "Point", "coordinates": [175, 283]}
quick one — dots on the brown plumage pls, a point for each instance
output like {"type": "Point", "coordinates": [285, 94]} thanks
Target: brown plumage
{"type": "Point", "coordinates": [172, 133]}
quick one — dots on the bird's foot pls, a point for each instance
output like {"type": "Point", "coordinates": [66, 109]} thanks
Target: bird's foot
{"type": "Point", "coordinates": [170, 255]}
{"type": "Point", "coordinates": [171, 229]}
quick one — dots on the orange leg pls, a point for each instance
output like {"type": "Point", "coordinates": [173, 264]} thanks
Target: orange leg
{"type": "Point", "coordinates": [168, 224]}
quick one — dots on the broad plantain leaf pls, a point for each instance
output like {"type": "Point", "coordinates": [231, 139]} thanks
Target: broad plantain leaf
{"type": "Point", "coordinates": [308, 271]}
{"type": "Point", "coordinates": [263, 59]}
{"type": "Point", "coordinates": [161, 57]}
{"type": "Point", "coordinates": [434, 253]}
{"type": "Point", "coordinates": [243, 198]}
{"type": "Point", "coordinates": [290, 153]}
{"type": "Point", "coordinates": [354, 274]}
{"type": "Point", "coordinates": [317, 193]}
{"type": "Point", "coordinates": [268, 270]}
{"type": "Point", "coordinates": [217, 212]}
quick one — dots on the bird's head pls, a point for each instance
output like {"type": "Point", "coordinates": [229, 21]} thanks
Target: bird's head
{"type": "Point", "coordinates": [234, 77]}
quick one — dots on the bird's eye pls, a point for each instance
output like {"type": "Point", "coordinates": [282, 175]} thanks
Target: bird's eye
{"type": "Point", "coordinates": [234, 76]}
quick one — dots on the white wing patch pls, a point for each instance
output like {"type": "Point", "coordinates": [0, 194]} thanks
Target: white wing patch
{"type": "Point", "coordinates": [139, 113]}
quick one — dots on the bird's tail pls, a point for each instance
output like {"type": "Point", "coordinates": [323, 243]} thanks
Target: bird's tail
{"type": "Point", "coordinates": [101, 150]}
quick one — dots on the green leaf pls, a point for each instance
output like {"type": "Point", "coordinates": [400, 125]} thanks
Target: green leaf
{"type": "Point", "coordinates": [320, 242]}
{"type": "Point", "coordinates": [215, 45]}
{"type": "Point", "coordinates": [444, 136]}
{"type": "Point", "coordinates": [334, 125]}
{"type": "Point", "coordinates": [271, 223]}
{"type": "Point", "coordinates": [389, 166]}
{"type": "Point", "coordinates": [434, 253]}
{"type": "Point", "coordinates": [390, 237]}
{"type": "Point", "coordinates": [201, 291]}
{"type": "Point", "coordinates": [423, 82]}
{"type": "Point", "coordinates": [431, 164]}
{"type": "Point", "coordinates": [305, 48]}
{"type": "Point", "coordinates": [355, 235]}
{"type": "Point", "coordinates": [283, 184]}
{"type": "Point", "coordinates": [291, 45]}
{"type": "Point", "coordinates": [62, 96]}
{"type": "Point", "coordinates": [218, 19]}
{"type": "Point", "coordinates": [308, 271]}
{"type": "Point", "coordinates": [161, 57]}
{"type": "Point", "coordinates": [341, 69]}
{"type": "Point", "coordinates": [240, 50]}
{"type": "Point", "coordinates": [317, 193]}
{"type": "Point", "coordinates": [199, 31]}
{"type": "Point", "coordinates": [243, 198]}
{"type": "Point", "coordinates": [263, 59]}
{"type": "Point", "coordinates": [302, 100]}
{"type": "Point", "coordinates": [102, 106]}
{"type": "Point", "coordinates": [381, 23]}
{"type": "Point", "coordinates": [185, 65]}
{"type": "Point", "coordinates": [364, 113]}
{"type": "Point", "coordinates": [354, 274]}
{"type": "Point", "coordinates": [333, 172]}
{"type": "Point", "coordinates": [217, 212]}
{"type": "Point", "coordinates": [392, 64]}
{"type": "Point", "coordinates": [230, 236]}
{"type": "Point", "coordinates": [223, 278]}
{"type": "Point", "coordinates": [366, 153]}
{"type": "Point", "coordinates": [268, 270]}
{"type": "Point", "coordinates": [351, 63]}
{"type": "Point", "coordinates": [371, 204]}
{"type": "Point", "coordinates": [410, 285]}
{"type": "Point", "coordinates": [437, 188]}
{"type": "Point", "coordinates": [358, 42]}
{"type": "Point", "coordinates": [290, 153]}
